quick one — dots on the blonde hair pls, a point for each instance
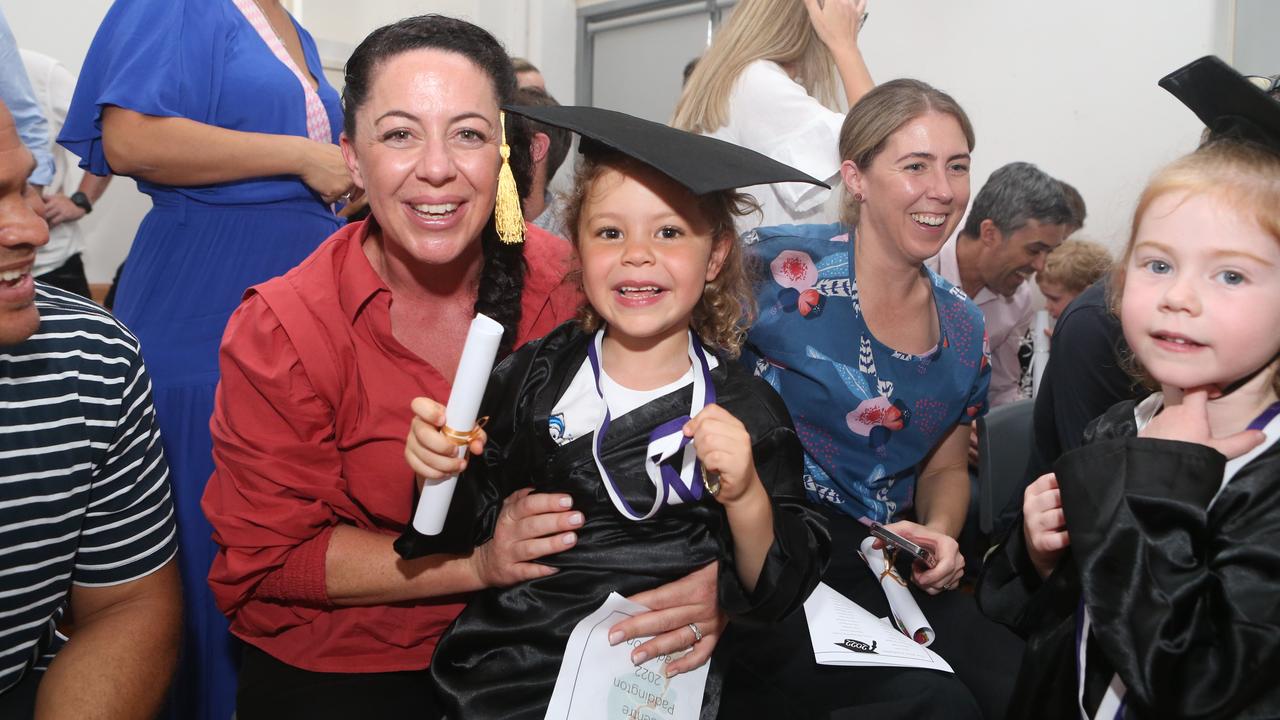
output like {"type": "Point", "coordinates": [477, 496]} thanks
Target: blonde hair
{"type": "Point", "coordinates": [775, 30]}
{"type": "Point", "coordinates": [1075, 265]}
{"type": "Point", "coordinates": [1242, 175]}
{"type": "Point", "coordinates": [879, 114]}
{"type": "Point", "coordinates": [727, 307]}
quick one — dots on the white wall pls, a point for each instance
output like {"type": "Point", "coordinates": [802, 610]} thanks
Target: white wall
{"type": "Point", "coordinates": [1070, 87]}
{"type": "Point", "coordinates": [544, 31]}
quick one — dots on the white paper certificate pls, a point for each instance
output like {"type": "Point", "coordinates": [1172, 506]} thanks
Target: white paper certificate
{"type": "Point", "coordinates": [843, 633]}
{"type": "Point", "coordinates": [599, 682]}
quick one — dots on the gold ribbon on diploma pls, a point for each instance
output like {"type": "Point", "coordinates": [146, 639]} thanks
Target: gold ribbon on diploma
{"type": "Point", "coordinates": [890, 557]}
{"type": "Point", "coordinates": [462, 439]}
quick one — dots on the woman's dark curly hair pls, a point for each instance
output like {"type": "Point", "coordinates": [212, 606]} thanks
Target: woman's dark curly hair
{"type": "Point", "coordinates": [502, 278]}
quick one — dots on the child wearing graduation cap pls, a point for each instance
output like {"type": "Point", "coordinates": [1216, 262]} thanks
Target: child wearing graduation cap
{"type": "Point", "coordinates": [676, 456]}
{"type": "Point", "coordinates": [1148, 567]}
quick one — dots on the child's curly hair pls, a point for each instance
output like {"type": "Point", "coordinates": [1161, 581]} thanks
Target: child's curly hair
{"type": "Point", "coordinates": [727, 307]}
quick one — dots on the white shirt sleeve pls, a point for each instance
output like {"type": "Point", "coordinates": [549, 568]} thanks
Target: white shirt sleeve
{"type": "Point", "coordinates": [773, 115]}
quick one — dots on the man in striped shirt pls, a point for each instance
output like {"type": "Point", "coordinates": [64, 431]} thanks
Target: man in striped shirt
{"type": "Point", "coordinates": [86, 521]}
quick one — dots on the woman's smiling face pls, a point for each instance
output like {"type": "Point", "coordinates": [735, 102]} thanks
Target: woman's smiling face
{"type": "Point", "coordinates": [916, 190]}
{"type": "Point", "coordinates": [425, 152]}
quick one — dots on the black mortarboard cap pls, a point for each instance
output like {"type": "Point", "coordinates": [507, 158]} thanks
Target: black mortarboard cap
{"type": "Point", "coordinates": [1227, 103]}
{"type": "Point", "coordinates": [701, 164]}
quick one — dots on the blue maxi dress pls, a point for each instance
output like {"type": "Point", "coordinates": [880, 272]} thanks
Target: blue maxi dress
{"type": "Point", "coordinates": [197, 251]}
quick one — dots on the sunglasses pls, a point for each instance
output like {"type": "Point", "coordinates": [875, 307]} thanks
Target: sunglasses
{"type": "Point", "coordinates": [1269, 85]}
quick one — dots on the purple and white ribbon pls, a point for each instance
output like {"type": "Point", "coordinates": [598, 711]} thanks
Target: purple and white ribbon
{"type": "Point", "coordinates": [665, 442]}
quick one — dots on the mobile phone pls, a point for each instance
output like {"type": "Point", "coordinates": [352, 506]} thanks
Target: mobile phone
{"type": "Point", "coordinates": [894, 540]}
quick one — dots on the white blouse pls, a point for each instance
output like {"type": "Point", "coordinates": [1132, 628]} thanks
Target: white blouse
{"type": "Point", "coordinates": [773, 115]}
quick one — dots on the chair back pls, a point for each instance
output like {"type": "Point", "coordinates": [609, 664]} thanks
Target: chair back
{"type": "Point", "coordinates": [1004, 447]}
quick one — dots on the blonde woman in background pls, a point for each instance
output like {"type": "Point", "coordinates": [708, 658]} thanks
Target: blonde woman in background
{"type": "Point", "coordinates": [771, 82]}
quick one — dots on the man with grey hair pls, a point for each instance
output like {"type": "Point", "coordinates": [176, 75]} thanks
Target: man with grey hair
{"type": "Point", "coordinates": [1018, 218]}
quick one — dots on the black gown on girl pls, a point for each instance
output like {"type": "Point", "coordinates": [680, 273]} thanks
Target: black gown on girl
{"type": "Point", "coordinates": [1183, 596]}
{"type": "Point", "coordinates": [501, 656]}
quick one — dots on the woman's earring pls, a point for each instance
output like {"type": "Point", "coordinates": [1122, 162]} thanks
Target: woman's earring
{"type": "Point", "coordinates": [857, 196]}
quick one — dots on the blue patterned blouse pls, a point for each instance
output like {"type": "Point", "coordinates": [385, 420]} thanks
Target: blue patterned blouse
{"type": "Point", "coordinates": [867, 415]}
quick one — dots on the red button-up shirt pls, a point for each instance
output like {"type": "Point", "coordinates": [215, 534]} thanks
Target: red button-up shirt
{"type": "Point", "coordinates": [308, 430]}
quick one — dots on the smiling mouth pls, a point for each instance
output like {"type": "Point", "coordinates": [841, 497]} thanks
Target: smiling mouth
{"type": "Point", "coordinates": [435, 211]}
{"type": "Point", "coordinates": [639, 292]}
{"type": "Point", "coordinates": [10, 278]}
{"type": "Point", "coordinates": [1177, 340]}
{"type": "Point", "coordinates": [929, 219]}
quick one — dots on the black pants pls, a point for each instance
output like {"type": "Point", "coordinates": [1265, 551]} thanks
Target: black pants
{"type": "Point", "coordinates": [19, 701]}
{"type": "Point", "coordinates": [774, 668]}
{"type": "Point", "coordinates": [272, 690]}
{"type": "Point", "coordinates": [69, 276]}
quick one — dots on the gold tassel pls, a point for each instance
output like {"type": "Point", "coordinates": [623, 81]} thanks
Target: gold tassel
{"type": "Point", "coordinates": [507, 214]}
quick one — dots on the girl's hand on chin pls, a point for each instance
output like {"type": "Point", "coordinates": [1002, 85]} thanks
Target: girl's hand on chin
{"type": "Point", "coordinates": [723, 446]}
{"type": "Point", "coordinates": [1188, 421]}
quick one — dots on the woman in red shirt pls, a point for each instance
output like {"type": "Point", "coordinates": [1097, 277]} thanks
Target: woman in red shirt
{"type": "Point", "coordinates": [318, 367]}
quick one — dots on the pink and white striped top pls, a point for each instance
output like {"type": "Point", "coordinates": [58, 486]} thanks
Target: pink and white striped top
{"type": "Point", "coordinates": [317, 119]}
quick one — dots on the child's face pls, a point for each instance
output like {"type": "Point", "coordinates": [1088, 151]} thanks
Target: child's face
{"type": "Point", "coordinates": [1056, 297]}
{"type": "Point", "coordinates": [646, 252]}
{"type": "Point", "coordinates": [1201, 302]}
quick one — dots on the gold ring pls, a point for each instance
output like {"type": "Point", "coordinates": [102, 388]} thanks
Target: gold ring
{"type": "Point", "coordinates": [710, 481]}
{"type": "Point", "coordinates": [464, 438]}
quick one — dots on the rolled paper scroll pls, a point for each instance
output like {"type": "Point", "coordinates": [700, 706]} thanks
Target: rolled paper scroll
{"type": "Point", "coordinates": [478, 353]}
{"type": "Point", "coordinates": [1040, 350]}
{"type": "Point", "coordinates": [906, 613]}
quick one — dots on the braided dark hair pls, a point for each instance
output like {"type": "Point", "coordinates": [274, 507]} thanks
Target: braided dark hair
{"type": "Point", "coordinates": [502, 277]}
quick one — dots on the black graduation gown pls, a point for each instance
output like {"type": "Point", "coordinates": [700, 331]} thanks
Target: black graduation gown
{"type": "Point", "coordinates": [1183, 597]}
{"type": "Point", "coordinates": [501, 656]}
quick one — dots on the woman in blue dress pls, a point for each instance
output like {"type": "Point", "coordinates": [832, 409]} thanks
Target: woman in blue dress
{"type": "Point", "coordinates": [883, 366]}
{"type": "Point", "coordinates": [221, 112]}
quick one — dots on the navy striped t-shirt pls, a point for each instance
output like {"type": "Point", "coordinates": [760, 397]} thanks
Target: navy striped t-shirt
{"type": "Point", "coordinates": [84, 488]}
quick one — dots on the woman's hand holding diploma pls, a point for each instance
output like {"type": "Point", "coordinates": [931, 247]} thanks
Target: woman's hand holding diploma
{"type": "Point", "coordinates": [946, 573]}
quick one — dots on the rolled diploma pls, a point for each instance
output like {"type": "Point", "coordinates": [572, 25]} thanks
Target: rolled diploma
{"type": "Point", "coordinates": [1040, 350]}
{"type": "Point", "coordinates": [906, 613]}
{"type": "Point", "coordinates": [478, 352]}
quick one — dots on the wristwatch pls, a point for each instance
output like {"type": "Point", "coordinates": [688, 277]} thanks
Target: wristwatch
{"type": "Point", "coordinates": [81, 201]}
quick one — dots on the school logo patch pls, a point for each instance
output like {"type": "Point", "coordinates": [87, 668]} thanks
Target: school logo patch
{"type": "Point", "coordinates": [557, 429]}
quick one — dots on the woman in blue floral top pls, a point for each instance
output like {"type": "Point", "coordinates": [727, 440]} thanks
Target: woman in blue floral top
{"type": "Point", "coordinates": [883, 367]}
